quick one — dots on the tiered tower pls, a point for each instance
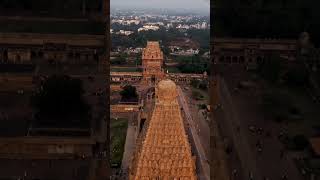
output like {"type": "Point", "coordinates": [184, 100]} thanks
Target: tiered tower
{"type": "Point", "coordinates": [152, 61]}
{"type": "Point", "coordinates": [165, 153]}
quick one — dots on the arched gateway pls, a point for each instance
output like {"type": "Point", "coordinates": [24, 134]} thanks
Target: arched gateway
{"type": "Point", "coordinates": [165, 153]}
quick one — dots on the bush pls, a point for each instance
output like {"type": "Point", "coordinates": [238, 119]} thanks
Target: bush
{"type": "Point", "coordinates": [203, 85]}
{"type": "Point", "coordinates": [202, 106]}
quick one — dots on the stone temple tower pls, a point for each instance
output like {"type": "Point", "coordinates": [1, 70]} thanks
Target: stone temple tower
{"type": "Point", "coordinates": [152, 61]}
{"type": "Point", "coordinates": [165, 152]}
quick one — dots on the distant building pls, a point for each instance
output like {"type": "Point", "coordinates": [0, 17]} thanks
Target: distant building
{"type": "Point", "coordinates": [148, 27]}
{"type": "Point", "coordinates": [204, 25]}
{"type": "Point", "coordinates": [123, 32]}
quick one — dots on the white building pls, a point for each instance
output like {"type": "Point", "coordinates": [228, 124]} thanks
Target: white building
{"type": "Point", "coordinates": [148, 27]}
{"type": "Point", "coordinates": [204, 25]}
{"type": "Point", "coordinates": [123, 32]}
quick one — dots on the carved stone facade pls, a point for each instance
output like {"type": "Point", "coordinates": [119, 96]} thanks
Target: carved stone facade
{"type": "Point", "coordinates": [251, 51]}
{"type": "Point", "coordinates": [152, 61]}
{"type": "Point", "coordinates": [45, 148]}
{"type": "Point", "coordinates": [165, 152]}
{"type": "Point", "coordinates": [123, 108]}
{"type": "Point", "coordinates": [137, 77]}
{"type": "Point", "coordinates": [23, 48]}
{"type": "Point", "coordinates": [131, 77]}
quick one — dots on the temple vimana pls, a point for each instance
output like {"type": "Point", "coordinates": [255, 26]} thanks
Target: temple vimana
{"type": "Point", "coordinates": [165, 151]}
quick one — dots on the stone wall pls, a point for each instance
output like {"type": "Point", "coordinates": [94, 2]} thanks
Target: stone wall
{"type": "Point", "coordinates": [251, 51]}
{"type": "Point", "coordinates": [45, 147]}
{"type": "Point", "coordinates": [65, 48]}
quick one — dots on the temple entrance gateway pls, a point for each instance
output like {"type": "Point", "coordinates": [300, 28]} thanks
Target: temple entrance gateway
{"type": "Point", "coordinates": [152, 60]}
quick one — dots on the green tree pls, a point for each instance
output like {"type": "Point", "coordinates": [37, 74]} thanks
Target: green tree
{"type": "Point", "coordinates": [129, 94]}
{"type": "Point", "coordinates": [203, 85]}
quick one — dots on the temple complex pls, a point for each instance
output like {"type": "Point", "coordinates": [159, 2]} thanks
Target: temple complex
{"type": "Point", "coordinates": [165, 152]}
{"type": "Point", "coordinates": [153, 72]}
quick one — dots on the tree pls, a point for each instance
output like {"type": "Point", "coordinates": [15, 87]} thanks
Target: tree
{"type": "Point", "coordinates": [203, 85]}
{"type": "Point", "coordinates": [129, 94]}
{"type": "Point", "coordinates": [118, 60]}
{"type": "Point", "coordinates": [59, 102]}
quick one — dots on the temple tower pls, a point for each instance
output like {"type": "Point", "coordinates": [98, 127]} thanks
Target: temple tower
{"type": "Point", "coordinates": [152, 61]}
{"type": "Point", "coordinates": [165, 152]}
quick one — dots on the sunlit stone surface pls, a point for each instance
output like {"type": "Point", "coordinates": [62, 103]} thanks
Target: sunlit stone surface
{"type": "Point", "coordinates": [166, 152]}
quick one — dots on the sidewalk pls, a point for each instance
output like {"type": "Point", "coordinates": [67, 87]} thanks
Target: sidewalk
{"type": "Point", "coordinates": [129, 147]}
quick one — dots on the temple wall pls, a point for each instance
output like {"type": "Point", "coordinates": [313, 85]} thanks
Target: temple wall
{"type": "Point", "coordinates": [42, 147]}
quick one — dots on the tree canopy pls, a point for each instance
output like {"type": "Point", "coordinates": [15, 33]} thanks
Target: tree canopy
{"type": "Point", "coordinates": [129, 94]}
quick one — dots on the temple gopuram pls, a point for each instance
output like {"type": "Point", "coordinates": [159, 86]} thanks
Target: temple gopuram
{"type": "Point", "coordinates": [152, 70]}
{"type": "Point", "coordinates": [152, 61]}
{"type": "Point", "coordinates": [165, 152]}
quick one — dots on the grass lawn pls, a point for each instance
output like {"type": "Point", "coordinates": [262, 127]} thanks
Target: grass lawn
{"type": "Point", "coordinates": [172, 69]}
{"type": "Point", "coordinates": [118, 138]}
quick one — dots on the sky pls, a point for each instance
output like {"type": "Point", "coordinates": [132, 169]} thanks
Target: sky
{"type": "Point", "coordinates": [203, 5]}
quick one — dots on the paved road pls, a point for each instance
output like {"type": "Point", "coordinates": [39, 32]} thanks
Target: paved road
{"type": "Point", "coordinates": [201, 153]}
{"type": "Point", "coordinates": [129, 147]}
{"type": "Point", "coordinates": [239, 139]}
{"type": "Point", "coordinates": [200, 121]}
{"type": "Point", "coordinates": [240, 112]}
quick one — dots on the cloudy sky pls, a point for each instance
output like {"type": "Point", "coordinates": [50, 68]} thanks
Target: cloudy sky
{"type": "Point", "coordinates": [184, 4]}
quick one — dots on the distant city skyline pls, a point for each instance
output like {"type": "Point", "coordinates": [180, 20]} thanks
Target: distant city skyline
{"type": "Point", "coordinates": [195, 5]}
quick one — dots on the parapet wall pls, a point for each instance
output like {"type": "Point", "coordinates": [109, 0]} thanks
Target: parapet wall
{"type": "Point", "coordinates": [45, 147]}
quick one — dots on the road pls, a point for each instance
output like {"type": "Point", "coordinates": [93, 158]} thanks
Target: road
{"type": "Point", "coordinates": [238, 138]}
{"type": "Point", "coordinates": [201, 157]}
{"type": "Point", "coordinates": [240, 111]}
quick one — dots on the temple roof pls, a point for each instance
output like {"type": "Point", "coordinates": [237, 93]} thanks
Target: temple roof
{"type": "Point", "coordinates": [165, 152]}
{"type": "Point", "coordinates": [152, 51]}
